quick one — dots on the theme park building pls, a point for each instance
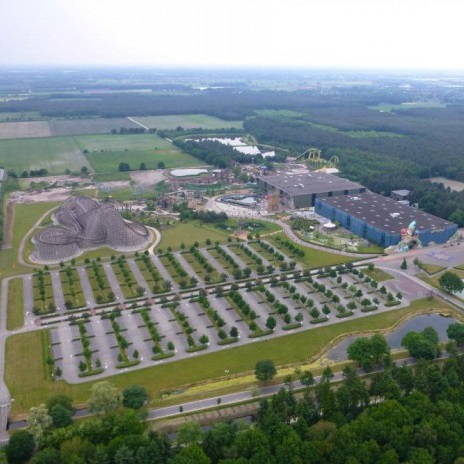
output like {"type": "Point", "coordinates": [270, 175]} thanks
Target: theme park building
{"type": "Point", "coordinates": [384, 221]}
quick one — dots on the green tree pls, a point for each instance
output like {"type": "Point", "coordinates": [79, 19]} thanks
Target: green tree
{"type": "Point", "coordinates": [420, 346]}
{"type": "Point", "coordinates": [271, 323]}
{"type": "Point", "coordinates": [62, 400]}
{"type": "Point", "coordinates": [265, 370]}
{"type": "Point", "coordinates": [61, 416]}
{"type": "Point", "coordinates": [38, 421]}
{"type": "Point", "coordinates": [456, 332]}
{"type": "Point", "coordinates": [104, 397]}
{"type": "Point", "coordinates": [20, 447]}
{"type": "Point", "coordinates": [189, 433]}
{"type": "Point", "coordinates": [451, 282]}
{"type": "Point", "coordinates": [124, 167]}
{"type": "Point", "coordinates": [404, 264]}
{"type": "Point", "coordinates": [134, 397]}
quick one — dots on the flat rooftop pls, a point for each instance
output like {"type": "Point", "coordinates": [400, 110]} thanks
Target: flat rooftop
{"type": "Point", "coordinates": [309, 182]}
{"type": "Point", "coordinates": [384, 213]}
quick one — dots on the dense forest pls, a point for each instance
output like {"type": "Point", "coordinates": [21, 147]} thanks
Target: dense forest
{"type": "Point", "coordinates": [402, 415]}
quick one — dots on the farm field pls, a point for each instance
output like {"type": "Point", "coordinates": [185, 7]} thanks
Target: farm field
{"type": "Point", "coordinates": [187, 121]}
{"type": "Point", "coordinates": [24, 129]}
{"type": "Point", "coordinates": [65, 127]}
{"type": "Point", "coordinates": [105, 152]}
{"type": "Point", "coordinates": [52, 153]}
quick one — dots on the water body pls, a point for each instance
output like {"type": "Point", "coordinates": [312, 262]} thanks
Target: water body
{"type": "Point", "coordinates": [187, 172]}
{"type": "Point", "coordinates": [417, 324]}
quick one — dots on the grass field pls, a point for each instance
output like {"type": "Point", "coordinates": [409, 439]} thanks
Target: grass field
{"type": "Point", "coordinates": [26, 215]}
{"type": "Point", "coordinates": [20, 116]}
{"type": "Point", "coordinates": [105, 152]}
{"type": "Point", "coordinates": [52, 153]}
{"type": "Point", "coordinates": [385, 107]}
{"type": "Point", "coordinates": [187, 121]}
{"type": "Point", "coordinates": [190, 232]}
{"type": "Point", "coordinates": [313, 258]}
{"type": "Point", "coordinates": [26, 377]}
{"type": "Point", "coordinates": [15, 310]}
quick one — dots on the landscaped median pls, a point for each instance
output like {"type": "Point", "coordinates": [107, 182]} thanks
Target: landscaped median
{"type": "Point", "coordinates": [29, 383]}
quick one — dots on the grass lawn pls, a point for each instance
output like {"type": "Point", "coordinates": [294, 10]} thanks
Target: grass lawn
{"type": "Point", "coordinates": [313, 258]}
{"type": "Point", "coordinates": [15, 314]}
{"type": "Point", "coordinates": [377, 274]}
{"type": "Point", "coordinates": [26, 377]}
{"type": "Point", "coordinates": [128, 292]}
{"type": "Point", "coordinates": [52, 153]}
{"type": "Point", "coordinates": [432, 269]}
{"type": "Point", "coordinates": [433, 279]}
{"type": "Point", "coordinates": [78, 299]}
{"type": "Point", "coordinates": [43, 304]}
{"type": "Point", "coordinates": [194, 231]}
{"type": "Point", "coordinates": [105, 152]}
{"type": "Point", "coordinates": [190, 232]}
{"type": "Point", "coordinates": [25, 216]}
{"type": "Point", "coordinates": [187, 121]}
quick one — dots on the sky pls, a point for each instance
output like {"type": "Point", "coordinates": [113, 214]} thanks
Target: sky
{"type": "Point", "coordinates": [382, 34]}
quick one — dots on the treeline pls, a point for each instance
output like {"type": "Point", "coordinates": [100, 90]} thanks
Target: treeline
{"type": "Point", "coordinates": [133, 130]}
{"type": "Point", "coordinates": [187, 213]}
{"type": "Point", "coordinates": [181, 132]}
{"type": "Point", "coordinates": [404, 414]}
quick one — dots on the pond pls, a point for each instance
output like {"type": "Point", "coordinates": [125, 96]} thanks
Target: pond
{"type": "Point", "coordinates": [187, 172]}
{"type": "Point", "coordinates": [418, 323]}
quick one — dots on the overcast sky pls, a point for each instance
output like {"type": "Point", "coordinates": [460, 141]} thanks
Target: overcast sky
{"type": "Point", "coordinates": [253, 33]}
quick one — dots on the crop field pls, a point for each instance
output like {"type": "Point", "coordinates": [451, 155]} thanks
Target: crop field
{"type": "Point", "coordinates": [21, 116]}
{"type": "Point", "coordinates": [52, 153]}
{"type": "Point", "coordinates": [105, 152]}
{"type": "Point", "coordinates": [187, 121]}
{"type": "Point", "coordinates": [62, 127]}
{"type": "Point", "coordinates": [24, 129]}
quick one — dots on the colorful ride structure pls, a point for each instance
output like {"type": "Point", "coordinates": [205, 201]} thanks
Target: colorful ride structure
{"type": "Point", "coordinates": [409, 239]}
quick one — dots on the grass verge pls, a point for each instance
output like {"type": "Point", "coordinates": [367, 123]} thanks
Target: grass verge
{"type": "Point", "coordinates": [15, 310]}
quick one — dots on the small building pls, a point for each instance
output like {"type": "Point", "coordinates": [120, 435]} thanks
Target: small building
{"type": "Point", "coordinates": [400, 195]}
{"type": "Point", "coordinates": [380, 219]}
{"type": "Point", "coordinates": [300, 190]}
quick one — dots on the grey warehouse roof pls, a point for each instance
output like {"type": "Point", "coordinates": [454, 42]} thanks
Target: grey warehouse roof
{"type": "Point", "coordinates": [309, 182]}
{"type": "Point", "coordinates": [384, 213]}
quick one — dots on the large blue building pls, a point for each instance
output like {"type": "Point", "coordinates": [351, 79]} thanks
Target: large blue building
{"type": "Point", "coordinates": [380, 219]}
